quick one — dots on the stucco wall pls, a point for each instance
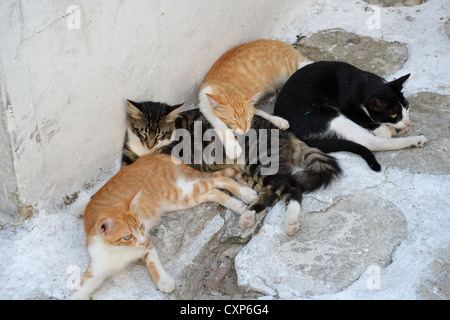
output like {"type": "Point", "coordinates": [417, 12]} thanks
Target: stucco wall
{"type": "Point", "coordinates": [66, 75]}
{"type": "Point", "coordinates": [8, 184]}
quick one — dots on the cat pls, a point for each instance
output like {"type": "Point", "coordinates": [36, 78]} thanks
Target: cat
{"type": "Point", "coordinates": [141, 135]}
{"type": "Point", "coordinates": [118, 216]}
{"type": "Point", "coordinates": [240, 78]}
{"type": "Point", "coordinates": [335, 106]}
{"type": "Point", "coordinates": [319, 169]}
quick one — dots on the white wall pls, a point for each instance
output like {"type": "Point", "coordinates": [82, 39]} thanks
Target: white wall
{"type": "Point", "coordinates": [8, 184]}
{"type": "Point", "coordinates": [64, 89]}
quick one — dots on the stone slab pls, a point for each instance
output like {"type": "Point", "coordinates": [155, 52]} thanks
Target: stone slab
{"type": "Point", "coordinates": [378, 56]}
{"type": "Point", "coordinates": [331, 251]}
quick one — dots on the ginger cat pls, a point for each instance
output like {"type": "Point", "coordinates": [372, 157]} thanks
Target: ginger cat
{"type": "Point", "coordinates": [238, 80]}
{"type": "Point", "coordinates": [132, 202]}
{"type": "Point", "coordinates": [318, 169]}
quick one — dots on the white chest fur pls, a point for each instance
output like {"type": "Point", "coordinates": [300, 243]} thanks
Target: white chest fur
{"type": "Point", "coordinates": [135, 144]}
{"type": "Point", "coordinates": [112, 258]}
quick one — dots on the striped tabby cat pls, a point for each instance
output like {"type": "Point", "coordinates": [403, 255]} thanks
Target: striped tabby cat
{"type": "Point", "coordinates": [133, 201]}
{"type": "Point", "coordinates": [319, 169]}
{"type": "Point", "coordinates": [238, 80]}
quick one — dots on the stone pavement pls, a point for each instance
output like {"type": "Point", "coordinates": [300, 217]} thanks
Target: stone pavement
{"type": "Point", "coordinates": [369, 235]}
{"type": "Point", "coordinates": [358, 238]}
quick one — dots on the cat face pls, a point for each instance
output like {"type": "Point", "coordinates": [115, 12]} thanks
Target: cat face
{"type": "Point", "coordinates": [236, 111]}
{"type": "Point", "coordinates": [121, 225]}
{"type": "Point", "coordinates": [150, 126]}
{"type": "Point", "coordinates": [388, 105]}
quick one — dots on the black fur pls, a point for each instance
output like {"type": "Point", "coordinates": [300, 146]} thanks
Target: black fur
{"type": "Point", "coordinates": [319, 169]}
{"type": "Point", "coordinates": [322, 91]}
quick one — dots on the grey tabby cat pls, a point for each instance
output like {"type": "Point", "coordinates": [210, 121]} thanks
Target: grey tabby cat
{"type": "Point", "coordinates": [152, 128]}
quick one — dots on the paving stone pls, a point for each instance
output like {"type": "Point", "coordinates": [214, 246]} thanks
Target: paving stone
{"type": "Point", "coordinates": [395, 3]}
{"type": "Point", "coordinates": [430, 115]}
{"type": "Point", "coordinates": [436, 283]}
{"type": "Point", "coordinates": [378, 56]}
{"type": "Point", "coordinates": [331, 251]}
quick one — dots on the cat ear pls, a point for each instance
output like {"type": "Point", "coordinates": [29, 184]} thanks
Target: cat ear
{"type": "Point", "coordinates": [174, 113]}
{"type": "Point", "coordinates": [134, 204]}
{"type": "Point", "coordinates": [253, 97]}
{"type": "Point", "coordinates": [106, 226]}
{"type": "Point", "coordinates": [378, 104]}
{"type": "Point", "coordinates": [133, 111]}
{"type": "Point", "coordinates": [215, 101]}
{"type": "Point", "coordinates": [397, 84]}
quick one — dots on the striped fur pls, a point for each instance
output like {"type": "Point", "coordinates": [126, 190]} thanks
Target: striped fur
{"type": "Point", "coordinates": [134, 200]}
{"type": "Point", "coordinates": [241, 77]}
{"type": "Point", "coordinates": [319, 169]}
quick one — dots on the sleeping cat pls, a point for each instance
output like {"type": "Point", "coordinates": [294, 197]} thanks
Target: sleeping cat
{"type": "Point", "coordinates": [238, 80]}
{"type": "Point", "coordinates": [132, 202]}
{"type": "Point", "coordinates": [319, 169]}
{"type": "Point", "coordinates": [335, 106]}
{"type": "Point", "coordinates": [142, 136]}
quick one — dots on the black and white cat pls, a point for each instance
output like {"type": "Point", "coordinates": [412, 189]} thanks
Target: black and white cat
{"type": "Point", "coordinates": [335, 106]}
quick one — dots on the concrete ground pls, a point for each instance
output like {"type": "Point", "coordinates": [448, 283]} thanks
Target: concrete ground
{"type": "Point", "coordinates": [369, 235]}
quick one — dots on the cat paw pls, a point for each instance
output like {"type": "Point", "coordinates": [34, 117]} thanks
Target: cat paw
{"type": "Point", "coordinates": [399, 132]}
{"type": "Point", "coordinates": [236, 206]}
{"type": "Point", "coordinates": [280, 123]}
{"type": "Point", "coordinates": [383, 131]}
{"type": "Point", "coordinates": [166, 284]}
{"type": "Point", "coordinates": [418, 141]}
{"type": "Point", "coordinates": [77, 295]}
{"type": "Point", "coordinates": [291, 227]}
{"type": "Point", "coordinates": [291, 221]}
{"type": "Point", "coordinates": [232, 149]}
{"type": "Point", "coordinates": [248, 194]}
{"type": "Point", "coordinates": [247, 219]}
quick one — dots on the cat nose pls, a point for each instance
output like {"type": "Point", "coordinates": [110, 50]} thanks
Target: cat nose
{"type": "Point", "coordinates": [407, 122]}
{"type": "Point", "coordinates": [142, 240]}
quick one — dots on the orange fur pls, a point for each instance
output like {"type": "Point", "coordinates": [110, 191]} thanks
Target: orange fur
{"type": "Point", "coordinates": [246, 73]}
{"type": "Point", "coordinates": [118, 215]}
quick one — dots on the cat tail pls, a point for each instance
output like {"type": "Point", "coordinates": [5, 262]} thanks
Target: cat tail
{"type": "Point", "coordinates": [319, 169]}
{"type": "Point", "coordinates": [336, 145]}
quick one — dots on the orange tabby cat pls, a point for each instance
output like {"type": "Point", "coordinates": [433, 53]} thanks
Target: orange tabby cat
{"type": "Point", "coordinates": [238, 80]}
{"type": "Point", "coordinates": [117, 217]}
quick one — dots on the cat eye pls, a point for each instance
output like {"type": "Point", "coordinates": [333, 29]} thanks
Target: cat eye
{"type": "Point", "coordinates": [394, 116]}
{"type": "Point", "coordinates": [127, 237]}
{"type": "Point", "coordinates": [143, 135]}
{"type": "Point", "coordinates": [141, 226]}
